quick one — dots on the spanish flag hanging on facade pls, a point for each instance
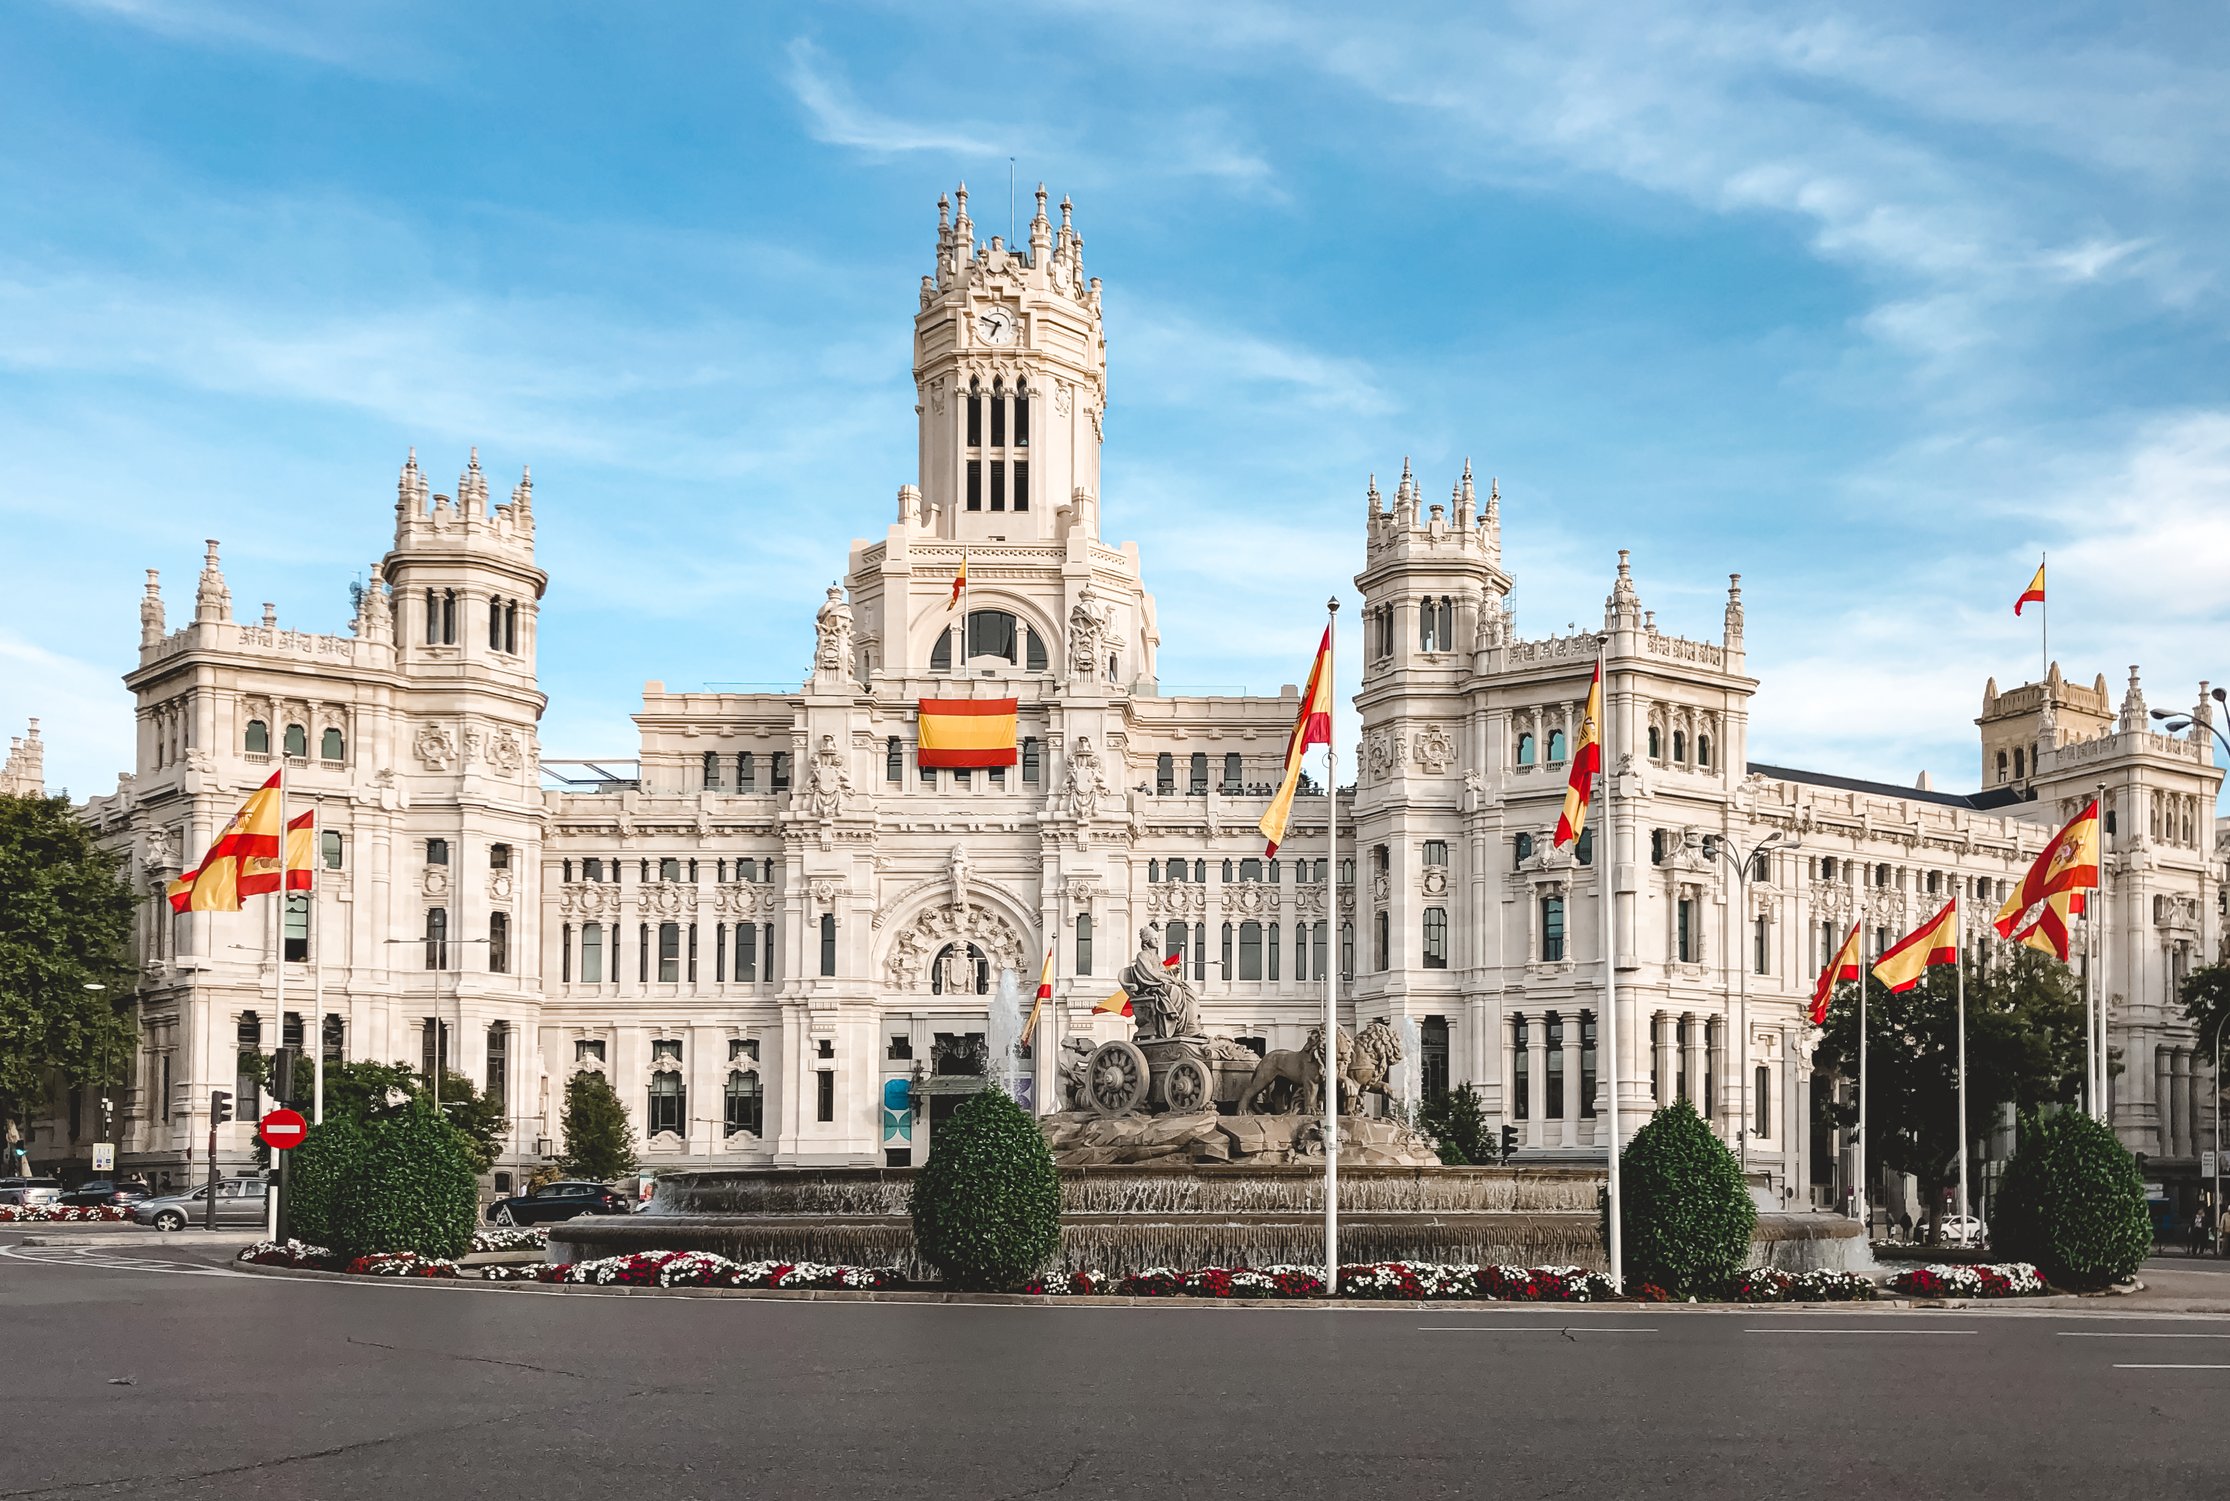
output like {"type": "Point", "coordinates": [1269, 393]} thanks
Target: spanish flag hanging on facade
{"type": "Point", "coordinates": [2034, 594]}
{"type": "Point", "coordinates": [215, 884]}
{"type": "Point", "coordinates": [1045, 993]}
{"type": "Point", "coordinates": [960, 734]}
{"type": "Point", "coordinates": [1935, 941]}
{"type": "Point", "coordinates": [1587, 756]}
{"type": "Point", "coordinates": [1844, 966]}
{"type": "Point", "coordinates": [2069, 863]}
{"type": "Point", "coordinates": [260, 873]}
{"type": "Point", "coordinates": [2048, 931]}
{"type": "Point", "coordinates": [1312, 727]}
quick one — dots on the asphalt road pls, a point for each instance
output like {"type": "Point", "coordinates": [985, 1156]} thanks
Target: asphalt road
{"type": "Point", "coordinates": [154, 1371]}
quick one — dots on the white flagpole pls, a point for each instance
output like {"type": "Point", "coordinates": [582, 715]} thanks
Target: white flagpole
{"type": "Point", "coordinates": [317, 984]}
{"type": "Point", "coordinates": [1858, 1189]}
{"type": "Point", "coordinates": [2098, 968]}
{"type": "Point", "coordinates": [1605, 858]}
{"type": "Point", "coordinates": [2044, 622]}
{"type": "Point", "coordinates": [1331, 982]}
{"type": "Point", "coordinates": [1959, 962]}
{"type": "Point", "coordinates": [278, 971]}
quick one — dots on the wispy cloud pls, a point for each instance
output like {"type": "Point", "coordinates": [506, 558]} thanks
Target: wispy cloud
{"type": "Point", "coordinates": [836, 115]}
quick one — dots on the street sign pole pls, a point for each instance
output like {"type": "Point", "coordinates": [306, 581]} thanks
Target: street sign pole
{"type": "Point", "coordinates": [281, 1130]}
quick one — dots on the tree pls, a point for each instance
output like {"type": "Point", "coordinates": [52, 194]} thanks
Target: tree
{"type": "Point", "coordinates": [987, 1204]}
{"type": "Point", "coordinates": [2206, 998]}
{"type": "Point", "coordinates": [2073, 1202]}
{"type": "Point", "coordinates": [65, 957]}
{"type": "Point", "coordinates": [361, 1091]}
{"type": "Point", "coordinates": [599, 1143]}
{"type": "Point", "coordinates": [1685, 1214]}
{"type": "Point", "coordinates": [2024, 1047]}
{"type": "Point", "coordinates": [1457, 1126]}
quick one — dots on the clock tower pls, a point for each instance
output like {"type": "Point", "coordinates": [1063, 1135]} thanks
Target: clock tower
{"type": "Point", "coordinates": [1010, 369]}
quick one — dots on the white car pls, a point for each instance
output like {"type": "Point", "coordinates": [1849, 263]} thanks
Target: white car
{"type": "Point", "coordinates": [1965, 1231]}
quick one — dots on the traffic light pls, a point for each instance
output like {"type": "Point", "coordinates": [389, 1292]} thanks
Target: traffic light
{"type": "Point", "coordinates": [1509, 1142]}
{"type": "Point", "coordinates": [220, 1107]}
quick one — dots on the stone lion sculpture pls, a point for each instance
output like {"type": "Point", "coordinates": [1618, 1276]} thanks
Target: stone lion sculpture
{"type": "Point", "coordinates": [1290, 1081]}
{"type": "Point", "coordinates": [1370, 1068]}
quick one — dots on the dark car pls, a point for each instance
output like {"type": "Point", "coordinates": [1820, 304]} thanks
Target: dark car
{"type": "Point", "coordinates": [106, 1191]}
{"type": "Point", "coordinates": [558, 1201]}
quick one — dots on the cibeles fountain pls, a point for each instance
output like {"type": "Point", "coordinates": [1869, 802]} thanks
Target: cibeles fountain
{"type": "Point", "coordinates": [1184, 1150]}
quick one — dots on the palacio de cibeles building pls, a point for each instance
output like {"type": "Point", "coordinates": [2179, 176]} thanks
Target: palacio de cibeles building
{"type": "Point", "coordinates": [775, 931]}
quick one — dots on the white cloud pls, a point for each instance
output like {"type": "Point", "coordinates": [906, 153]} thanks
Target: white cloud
{"type": "Point", "coordinates": [837, 115]}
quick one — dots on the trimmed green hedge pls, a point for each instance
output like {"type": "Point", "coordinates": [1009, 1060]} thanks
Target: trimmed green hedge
{"type": "Point", "coordinates": [1685, 1211]}
{"type": "Point", "coordinates": [2072, 1201]}
{"type": "Point", "coordinates": [413, 1189]}
{"type": "Point", "coordinates": [987, 1204]}
{"type": "Point", "coordinates": [331, 1157]}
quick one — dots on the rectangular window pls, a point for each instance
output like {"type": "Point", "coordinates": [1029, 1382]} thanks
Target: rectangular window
{"type": "Point", "coordinates": [1552, 928]}
{"type": "Point", "coordinates": [333, 847]}
{"type": "Point", "coordinates": [669, 952]}
{"type": "Point", "coordinates": [164, 1100]}
{"type": "Point", "coordinates": [746, 1105]}
{"type": "Point", "coordinates": [592, 954]}
{"type": "Point", "coordinates": [998, 422]}
{"type": "Point", "coordinates": [1436, 938]}
{"type": "Point", "coordinates": [499, 1063]}
{"type": "Point", "coordinates": [1553, 1094]}
{"type": "Point", "coordinates": [1521, 1071]}
{"type": "Point", "coordinates": [1270, 950]}
{"type": "Point", "coordinates": [1436, 852]}
{"type": "Point", "coordinates": [1761, 1102]}
{"type": "Point", "coordinates": [499, 943]}
{"type": "Point", "coordinates": [824, 1082]}
{"type": "Point", "coordinates": [333, 1036]}
{"type": "Point", "coordinates": [1022, 484]}
{"type": "Point", "coordinates": [691, 974]}
{"type": "Point", "coordinates": [828, 943]}
{"type": "Point", "coordinates": [747, 772]}
{"type": "Point", "coordinates": [747, 953]}
{"type": "Point", "coordinates": [437, 852]}
{"type": "Point", "coordinates": [669, 1112]}
{"type": "Point", "coordinates": [1432, 1063]}
{"type": "Point", "coordinates": [975, 421]}
{"type": "Point", "coordinates": [298, 926]}
{"type": "Point", "coordinates": [245, 1104]}
{"type": "Point", "coordinates": [1347, 951]}
{"type": "Point", "coordinates": [1197, 782]}
{"type": "Point", "coordinates": [975, 484]}
{"type": "Point", "coordinates": [499, 857]}
{"type": "Point", "coordinates": [1250, 951]}
{"type": "Point", "coordinates": [1323, 932]}
{"type": "Point", "coordinates": [437, 938]}
{"type": "Point", "coordinates": [998, 484]}
{"type": "Point", "coordinates": [1084, 943]}
{"type": "Point", "coordinates": [781, 771]}
{"type": "Point", "coordinates": [642, 954]}
{"type": "Point", "coordinates": [588, 1050]}
{"type": "Point", "coordinates": [1763, 947]}
{"type": "Point", "coordinates": [766, 948]}
{"type": "Point", "coordinates": [1022, 419]}
{"type": "Point", "coordinates": [1685, 929]}
{"type": "Point", "coordinates": [1587, 1065]}
{"type": "Point", "coordinates": [1379, 945]}
{"type": "Point", "coordinates": [565, 953]}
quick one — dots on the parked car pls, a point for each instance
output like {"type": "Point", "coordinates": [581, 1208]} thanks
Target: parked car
{"type": "Point", "coordinates": [558, 1201]}
{"type": "Point", "coordinates": [109, 1192]}
{"type": "Point", "coordinates": [240, 1201]}
{"type": "Point", "coordinates": [30, 1192]}
{"type": "Point", "coordinates": [1964, 1230]}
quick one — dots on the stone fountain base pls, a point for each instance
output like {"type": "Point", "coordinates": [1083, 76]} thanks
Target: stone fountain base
{"type": "Point", "coordinates": [1174, 1212]}
{"type": "Point", "coordinates": [1083, 1138]}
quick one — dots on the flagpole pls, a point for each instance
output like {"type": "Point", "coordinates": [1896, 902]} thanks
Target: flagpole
{"type": "Point", "coordinates": [1858, 1189]}
{"type": "Point", "coordinates": [2098, 969]}
{"type": "Point", "coordinates": [2044, 622]}
{"type": "Point", "coordinates": [1959, 963]}
{"type": "Point", "coordinates": [1606, 857]}
{"type": "Point", "coordinates": [278, 987]}
{"type": "Point", "coordinates": [1331, 985]}
{"type": "Point", "coordinates": [317, 988]}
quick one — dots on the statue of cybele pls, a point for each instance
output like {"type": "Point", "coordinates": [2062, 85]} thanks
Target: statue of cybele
{"type": "Point", "coordinates": [1163, 1003]}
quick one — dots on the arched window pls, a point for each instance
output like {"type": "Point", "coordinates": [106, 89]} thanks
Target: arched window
{"type": "Point", "coordinates": [1680, 747]}
{"type": "Point", "coordinates": [1033, 644]}
{"type": "Point", "coordinates": [1165, 774]}
{"type": "Point", "coordinates": [1525, 750]}
{"type": "Point", "coordinates": [2020, 761]}
{"type": "Point", "coordinates": [495, 625]}
{"type": "Point", "coordinates": [712, 770]}
{"type": "Point", "coordinates": [2001, 763]}
{"type": "Point", "coordinates": [959, 970]}
{"type": "Point", "coordinates": [448, 617]}
{"type": "Point", "coordinates": [1556, 747]}
{"type": "Point", "coordinates": [297, 741]}
{"type": "Point", "coordinates": [995, 633]}
{"type": "Point", "coordinates": [511, 627]}
{"type": "Point", "coordinates": [1447, 623]}
{"type": "Point", "coordinates": [894, 760]}
{"type": "Point", "coordinates": [257, 742]}
{"type": "Point", "coordinates": [940, 655]}
{"type": "Point", "coordinates": [1703, 751]}
{"type": "Point", "coordinates": [1114, 669]}
{"type": "Point", "coordinates": [1656, 743]}
{"type": "Point", "coordinates": [330, 745]}
{"type": "Point", "coordinates": [745, 1110]}
{"type": "Point", "coordinates": [1232, 768]}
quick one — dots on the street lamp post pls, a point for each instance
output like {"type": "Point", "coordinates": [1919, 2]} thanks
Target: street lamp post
{"type": "Point", "coordinates": [1743, 868]}
{"type": "Point", "coordinates": [2177, 723]}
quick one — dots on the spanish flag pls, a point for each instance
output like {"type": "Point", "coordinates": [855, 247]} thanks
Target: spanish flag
{"type": "Point", "coordinates": [1312, 727]}
{"type": "Point", "coordinates": [959, 584]}
{"type": "Point", "coordinates": [2048, 931]}
{"type": "Point", "coordinates": [959, 734]}
{"type": "Point", "coordinates": [1935, 941]}
{"type": "Point", "coordinates": [1117, 1004]}
{"type": "Point", "coordinates": [1844, 966]}
{"type": "Point", "coordinates": [2069, 862]}
{"type": "Point", "coordinates": [2035, 591]}
{"type": "Point", "coordinates": [260, 873]}
{"type": "Point", "coordinates": [215, 884]}
{"type": "Point", "coordinates": [1587, 756]}
{"type": "Point", "coordinates": [1045, 993]}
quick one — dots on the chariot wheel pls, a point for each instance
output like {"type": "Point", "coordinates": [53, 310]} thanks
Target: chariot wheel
{"type": "Point", "coordinates": [1187, 1087]}
{"type": "Point", "coordinates": [1116, 1078]}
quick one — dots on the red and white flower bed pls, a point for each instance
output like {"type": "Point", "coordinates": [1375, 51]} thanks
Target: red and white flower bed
{"type": "Point", "coordinates": [1395, 1280]}
{"type": "Point", "coordinates": [705, 1269]}
{"type": "Point", "coordinates": [2004, 1279]}
{"type": "Point", "coordinates": [511, 1238]}
{"type": "Point", "coordinates": [1765, 1284]}
{"type": "Point", "coordinates": [62, 1214]}
{"type": "Point", "coordinates": [294, 1253]}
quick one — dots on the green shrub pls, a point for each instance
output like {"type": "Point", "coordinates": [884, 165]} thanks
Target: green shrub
{"type": "Point", "coordinates": [599, 1143]}
{"type": "Point", "coordinates": [330, 1157]}
{"type": "Point", "coordinates": [1685, 1211]}
{"type": "Point", "coordinates": [415, 1190]}
{"type": "Point", "coordinates": [987, 1204]}
{"type": "Point", "coordinates": [2072, 1201]}
{"type": "Point", "coordinates": [1458, 1127]}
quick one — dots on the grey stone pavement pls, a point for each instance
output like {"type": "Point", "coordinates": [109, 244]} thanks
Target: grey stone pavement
{"type": "Point", "coordinates": [146, 1367]}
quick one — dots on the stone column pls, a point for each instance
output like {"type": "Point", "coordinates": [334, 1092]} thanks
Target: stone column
{"type": "Point", "coordinates": [1537, 1063]}
{"type": "Point", "coordinates": [1720, 1110]}
{"type": "Point", "coordinates": [1507, 1062]}
{"type": "Point", "coordinates": [2162, 1092]}
{"type": "Point", "coordinates": [1692, 1062]}
{"type": "Point", "coordinates": [2180, 1108]}
{"type": "Point", "coordinates": [1668, 1061]}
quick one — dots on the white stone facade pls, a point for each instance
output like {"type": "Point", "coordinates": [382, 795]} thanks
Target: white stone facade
{"type": "Point", "coordinates": [773, 913]}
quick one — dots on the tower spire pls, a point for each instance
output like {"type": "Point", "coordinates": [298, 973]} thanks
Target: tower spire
{"type": "Point", "coordinates": [212, 600]}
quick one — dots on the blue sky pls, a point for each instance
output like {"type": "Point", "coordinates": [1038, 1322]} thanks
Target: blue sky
{"type": "Point", "coordinates": [1867, 304]}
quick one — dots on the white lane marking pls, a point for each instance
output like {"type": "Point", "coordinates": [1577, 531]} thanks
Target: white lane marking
{"type": "Point", "coordinates": [1532, 1329]}
{"type": "Point", "coordinates": [2172, 1367]}
{"type": "Point", "coordinates": [86, 1256]}
{"type": "Point", "coordinates": [2130, 1334]}
{"type": "Point", "coordinates": [1845, 1329]}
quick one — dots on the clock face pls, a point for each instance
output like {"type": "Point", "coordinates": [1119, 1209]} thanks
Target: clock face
{"type": "Point", "coordinates": [995, 326]}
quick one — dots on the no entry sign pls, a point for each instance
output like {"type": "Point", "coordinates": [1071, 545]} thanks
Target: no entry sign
{"type": "Point", "coordinates": [282, 1129]}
